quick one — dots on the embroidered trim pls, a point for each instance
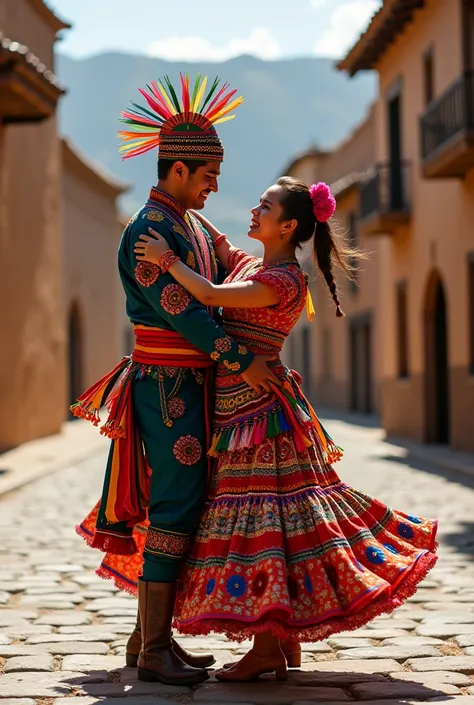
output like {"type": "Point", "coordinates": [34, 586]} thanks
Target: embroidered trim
{"type": "Point", "coordinates": [187, 450]}
{"type": "Point", "coordinates": [178, 229]}
{"type": "Point", "coordinates": [191, 260]}
{"type": "Point", "coordinates": [146, 273]}
{"type": "Point", "coordinates": [223, 344]}
{"type": "Point", "coordinates": [174, 299]}
{"type": "Point", "coordinates": [232, 366]}
{"type": "Point", "coordinates": [166, 543]}
{"type": "Point", "coordinates": [154, 215]}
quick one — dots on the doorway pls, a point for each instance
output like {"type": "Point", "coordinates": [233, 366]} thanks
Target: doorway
{"type": "Point", "coordinates": [75, 387]}
{"type": "Point", "coordinates": [360, 347]}
{"type": "Point", "coordinates": [436, 362]}
{"type": "Point", "coordinates": [306, 360]}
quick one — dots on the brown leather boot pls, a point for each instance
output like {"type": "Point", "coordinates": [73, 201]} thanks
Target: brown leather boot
{"type": "Point", "coordinates": [157, 660]}
{"type": "Point", "coordinates": [134, 644]}
{"type": "Point", "coordinates": [204, 660]}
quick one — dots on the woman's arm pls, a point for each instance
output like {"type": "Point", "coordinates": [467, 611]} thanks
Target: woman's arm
{"type": "Point", "coordinates": [249, 294]}
{"type": "Point", "coordinates": [224, 247]}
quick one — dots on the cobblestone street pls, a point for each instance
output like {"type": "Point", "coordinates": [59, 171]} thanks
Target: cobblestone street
{"type": "Point", "coordinates": [63, 630]}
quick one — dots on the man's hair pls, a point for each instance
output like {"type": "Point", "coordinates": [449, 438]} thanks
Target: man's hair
{"type": "Point", "coordinates": [164, 166]}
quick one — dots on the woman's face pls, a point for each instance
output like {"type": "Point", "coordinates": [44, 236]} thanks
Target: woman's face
{"type": "Point", "coordinates": [266, 225]}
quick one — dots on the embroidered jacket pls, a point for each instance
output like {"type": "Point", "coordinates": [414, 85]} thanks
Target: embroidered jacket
{"type": "Point", "coordinates": [156, 299]}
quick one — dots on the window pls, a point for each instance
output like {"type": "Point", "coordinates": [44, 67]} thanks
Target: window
{"type": "Point", "coordinates": [402, 329]}
{"type": "Point", "coordinates": [428, 77]}
{"type": "Point", "coordinates": [470, 309]}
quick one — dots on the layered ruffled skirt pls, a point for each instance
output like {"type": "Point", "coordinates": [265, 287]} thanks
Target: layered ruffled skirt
{"type": "Point", "coordinates": [283, 544]}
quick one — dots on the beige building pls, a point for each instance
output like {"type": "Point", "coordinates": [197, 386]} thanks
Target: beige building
{"type": "Point", "coordinates": [32, 350]}
{"type": "Point", "coordinates": [92, 290]}
{"type": "Point", "coordinates": [52, 206]}
{"type": "Point", "coordinates": [420, 201]}
{"type": "Point", "coordinates": [337, 357]}
{"type": "Point", "coordinates": [410, 327]}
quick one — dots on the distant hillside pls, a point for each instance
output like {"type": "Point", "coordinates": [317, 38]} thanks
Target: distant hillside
{"type": "Point", "coordinates": [290, 106]}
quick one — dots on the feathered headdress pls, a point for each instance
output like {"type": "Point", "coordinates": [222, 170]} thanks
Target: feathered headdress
{"type": "Point", "coordinates": [180, 130]}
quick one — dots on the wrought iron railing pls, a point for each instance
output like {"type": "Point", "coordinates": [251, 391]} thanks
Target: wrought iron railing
{"type": "Point", "coordinates": [447, 116]}
{"type": "Point", "coordinates": [387, 189]}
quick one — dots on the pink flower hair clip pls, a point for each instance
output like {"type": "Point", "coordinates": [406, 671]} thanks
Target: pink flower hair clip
{"type": "Point", "coordinates": [324, 203]}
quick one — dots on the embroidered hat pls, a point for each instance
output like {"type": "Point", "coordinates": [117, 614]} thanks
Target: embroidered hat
{"type": "Point", "coordinates": [180, 130]}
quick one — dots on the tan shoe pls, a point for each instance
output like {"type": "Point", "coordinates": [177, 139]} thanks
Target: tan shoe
{"type": "Point", "coordinates": [251, 667]}
{"type": "Point", "coordinates": [292, 651]}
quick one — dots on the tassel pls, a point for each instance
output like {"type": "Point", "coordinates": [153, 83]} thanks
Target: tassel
{"type": "Point", "coordinates": [310, 312]}
{"type": "Point", "coordinates": [117, 545]}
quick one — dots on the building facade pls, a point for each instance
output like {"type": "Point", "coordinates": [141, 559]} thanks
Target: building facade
{"type": "Point", "coordinates": [92, 289]}
{"type": "Point", "coordinates": [59, 233]}
{"type": "Point", "coordinates": [419, 200]}
{"type": "Point", "coordinates": [32, 353]}
{"type": "Point", "coordinates": [338, 357]}
{"type": "Point", "coordinates": [404, 182]}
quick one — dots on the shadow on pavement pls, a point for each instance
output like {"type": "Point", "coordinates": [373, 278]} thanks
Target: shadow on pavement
{"type": "Point", "coordinates": [325, 685]}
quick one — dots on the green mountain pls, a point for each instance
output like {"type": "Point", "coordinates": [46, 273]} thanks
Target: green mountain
{"type": "Point", "coordinates": [290, 105]}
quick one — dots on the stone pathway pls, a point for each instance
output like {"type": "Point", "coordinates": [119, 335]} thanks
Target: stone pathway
{"type": "Point", "coordinates": [63, 630]}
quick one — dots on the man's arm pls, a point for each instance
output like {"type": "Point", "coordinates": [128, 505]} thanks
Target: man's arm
{"type": "Point", "coordinates": [183, 313]}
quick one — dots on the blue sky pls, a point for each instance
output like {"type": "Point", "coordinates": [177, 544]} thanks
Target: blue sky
{"type": "Point", "coordinates": [215, 29]}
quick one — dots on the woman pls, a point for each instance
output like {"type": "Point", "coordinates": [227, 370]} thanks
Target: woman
{"type": "Point", "coordinates": [285, 552]}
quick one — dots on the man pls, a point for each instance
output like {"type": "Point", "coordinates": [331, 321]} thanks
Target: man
{"type": "Point", "coordinates": [159, 398]}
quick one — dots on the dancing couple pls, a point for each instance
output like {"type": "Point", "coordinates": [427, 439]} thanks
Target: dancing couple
{"type": "Point", "coordinates": [221, 507]}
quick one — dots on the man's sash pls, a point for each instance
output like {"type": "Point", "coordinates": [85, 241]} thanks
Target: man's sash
{"type": "Point", "coordinates": [126, 491]}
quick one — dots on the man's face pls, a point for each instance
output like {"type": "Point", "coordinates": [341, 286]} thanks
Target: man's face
{"type": "Point", "coordinates": [197, 187]}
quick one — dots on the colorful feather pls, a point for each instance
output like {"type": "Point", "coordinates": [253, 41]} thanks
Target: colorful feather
{"type": "Point", "coordinates": [143, 125]}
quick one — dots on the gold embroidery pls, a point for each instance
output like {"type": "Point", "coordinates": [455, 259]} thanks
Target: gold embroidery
{"type": "Point", "coordinates": [223, 404]}
{"type": "Point", "coordinates": [155, 216]}
{"type": "Point", "coordinates": [191, 260]}
{"type": "Point", "coordinates": [178, 229]}
{"type": "Point", "coordinates": [215, 355]}
{"type": "Point", "coordinates": [233, 366]}
{"type": "Point", "coordinates": [242, 350]}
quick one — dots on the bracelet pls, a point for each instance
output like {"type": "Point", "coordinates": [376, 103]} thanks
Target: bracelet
{"type": "Point", "coordinates": [220, 239]}
{"type": "Point", "coordinates": [167, 259]}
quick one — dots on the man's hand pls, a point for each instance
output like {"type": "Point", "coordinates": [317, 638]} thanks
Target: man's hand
{"type": "Point", "coordinates": [259, 376]}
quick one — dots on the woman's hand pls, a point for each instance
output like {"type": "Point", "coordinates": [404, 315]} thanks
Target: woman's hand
{"type": "Point", "coordinates": [152, 248]}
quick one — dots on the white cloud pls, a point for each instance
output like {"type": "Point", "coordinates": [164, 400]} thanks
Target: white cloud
{"type": "Point", "coordinates": [345, 25]}
{"type": "Point", "coordinates": [260, 43]}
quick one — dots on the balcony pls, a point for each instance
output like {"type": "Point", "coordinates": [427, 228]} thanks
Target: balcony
{"type": "Point", "coordinates": [384, 203]}
{"type": "Point", "coordinates": [29, 92]}
{"type": "Point", "coordinates": [447, 131]}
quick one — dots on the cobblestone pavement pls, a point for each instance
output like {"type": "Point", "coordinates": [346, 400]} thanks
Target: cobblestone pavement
{"type": "Point", "coordinates": [63, 630]}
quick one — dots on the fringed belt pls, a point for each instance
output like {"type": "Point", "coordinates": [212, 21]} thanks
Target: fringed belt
{"type": "Point", "coordinates": [126, 488]}
{"type": "Point", "coordinates": [292, 413]}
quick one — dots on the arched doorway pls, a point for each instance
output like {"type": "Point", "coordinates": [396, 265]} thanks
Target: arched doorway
{"type": "Point", "coordinates": [75, 354]}
{"type": "Point", "coordinates": [436, 362]}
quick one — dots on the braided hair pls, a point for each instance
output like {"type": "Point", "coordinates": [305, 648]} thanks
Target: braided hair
{"type": "Point", "coordinates": [328, 247]}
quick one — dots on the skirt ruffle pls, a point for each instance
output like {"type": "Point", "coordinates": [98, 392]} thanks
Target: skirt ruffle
{"type": "Point", "coordinates": [297, 551]}
{"type": "Point", "coordinates": [123, 570]}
